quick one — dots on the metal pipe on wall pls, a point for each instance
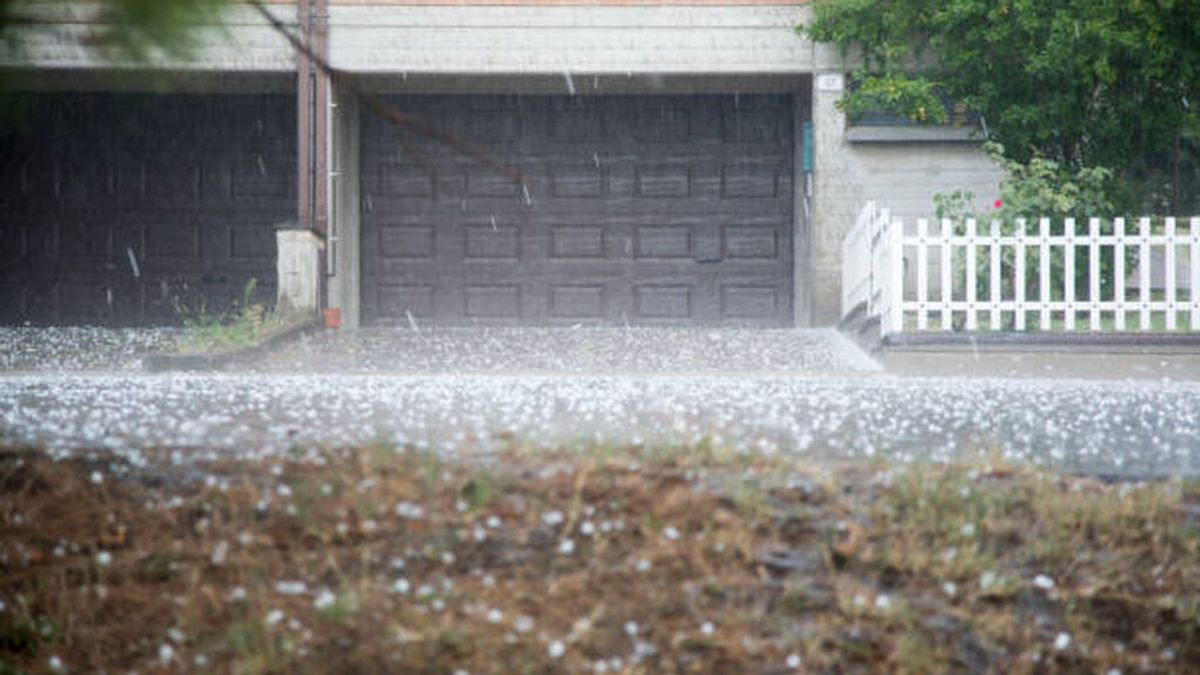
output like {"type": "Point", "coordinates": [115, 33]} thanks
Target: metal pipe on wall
{"type": "Point", "coordinates": [304, 119]}
{"type": "Point", "coordinates": [312, 117]}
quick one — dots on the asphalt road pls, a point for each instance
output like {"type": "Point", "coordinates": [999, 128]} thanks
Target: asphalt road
{"type": "Point", "coordinates": [829, 405]}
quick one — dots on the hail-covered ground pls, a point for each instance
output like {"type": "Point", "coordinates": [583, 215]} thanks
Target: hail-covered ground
{"type": "Point", "coordinates": [809, 393]}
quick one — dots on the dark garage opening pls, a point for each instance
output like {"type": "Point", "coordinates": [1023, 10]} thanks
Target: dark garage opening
{"type": "Point", "coordinates": [673, 210]}
{"type": "Point", "coordinates": [117, 207]}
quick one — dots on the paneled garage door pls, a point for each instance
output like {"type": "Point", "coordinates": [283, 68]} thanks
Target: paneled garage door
{"type": "Point", "coordinates": [636, 209]}
{"type": "Point", "coordinates": [117, 208]}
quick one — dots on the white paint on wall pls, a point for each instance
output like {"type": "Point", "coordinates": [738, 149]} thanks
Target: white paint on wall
{"type": "Point", "coordinates": [833, 82]}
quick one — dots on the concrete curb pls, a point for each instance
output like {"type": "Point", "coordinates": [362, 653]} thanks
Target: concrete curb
{"type": "Point", "coordinates": [209, 361]}
{"type": "Point", "coordinates": [1112, 343]}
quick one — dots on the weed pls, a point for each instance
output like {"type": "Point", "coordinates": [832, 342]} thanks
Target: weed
{"type": "Point", "coordinates": [477, 492]}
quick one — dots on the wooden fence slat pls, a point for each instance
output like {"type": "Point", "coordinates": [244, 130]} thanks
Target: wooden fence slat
{"type": "Point", "coordinates": [1044, 273]}
{"type": "Point", "coordinates": [971, 275]}
{"type": "Point", "coordinates": [896, 275]}
{"type": "Point", "coordinates": [1069, 274]}
{"type": "Point", "coordinates": [1119, 273]}
{"type": "Point", "coordinates": [1169, 272]}
{"type": "Point", "coordinates": [994, 274]}
{"type": "Point", "coordinates": [1144, 274]}
{"type": "Point", "coordinates": [1019, 276]}
{"type": "Point", "coordinates": [922, 274]}
{"type": "Point", "coordinates": [947, 287]}
{"type": "Point", "coordinates": [1194, 291]}
{"type": "Point", "coordinates": [1094, 273]}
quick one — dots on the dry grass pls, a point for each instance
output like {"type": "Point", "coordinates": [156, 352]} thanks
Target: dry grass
{"type": "Point", "coordinates": [681, 560]}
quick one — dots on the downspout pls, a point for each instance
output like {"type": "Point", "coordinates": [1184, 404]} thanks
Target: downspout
{"type": "Point", "coordinates": [304, 121]}
{"type": "Point", "coordinates": [312, 116]}
{"type": "Point", "coordinates": [320, 181]}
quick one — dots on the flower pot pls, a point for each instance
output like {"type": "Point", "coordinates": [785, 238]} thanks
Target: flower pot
{"type": "Point", "coordinates": [333, 317]}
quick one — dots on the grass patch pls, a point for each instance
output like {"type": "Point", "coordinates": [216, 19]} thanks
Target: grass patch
{"type": "Point", "coordinates": [245, 323]}
{"type": "Point", "coordinates": [663, 560]}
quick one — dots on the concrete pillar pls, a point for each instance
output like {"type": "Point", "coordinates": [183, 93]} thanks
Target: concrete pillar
{"type": "Point", "coordinates": [837, 187]}
{"type": "Point", "coordinates": [344, 258]}
{"type": "Point", "coordinates": [299, 271]}
{"type": "Point", "coordinates": [802, 289]}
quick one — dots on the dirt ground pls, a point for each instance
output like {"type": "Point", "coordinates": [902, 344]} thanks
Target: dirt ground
{"type": "Point", "coordinates": [622, 559]}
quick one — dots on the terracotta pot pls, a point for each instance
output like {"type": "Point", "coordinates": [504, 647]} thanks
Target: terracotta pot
{"type": "Point", "coordinates": [333, 317]}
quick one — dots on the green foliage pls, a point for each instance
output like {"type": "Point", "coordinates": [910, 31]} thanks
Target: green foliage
{"type": "Point", "coordinates": [1039, 188]}
{"type": "Point", "coordinates": [1082, 83]}
{"type": "Point", "coordinates": [1045, 187]}
{"type": "Point", "coordinates": [956, 206]}
{"type": "Point", "coordinates": [915, 98]}
{"type": "Point", "coordinates": [24, 631]}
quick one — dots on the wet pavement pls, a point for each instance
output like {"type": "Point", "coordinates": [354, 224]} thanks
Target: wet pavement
{"type": "Point", "coordinates": [569, 351]}
{"type": "Point", "coordinates": [79, 348]}
{"type": "Point", "coordinates": [802, 392]}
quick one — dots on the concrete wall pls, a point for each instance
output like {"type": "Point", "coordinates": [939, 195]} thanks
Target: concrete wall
{"type": "Point", "coordinates": [388, 37]}
{"type": "Point", "coordinates": [578, 39]}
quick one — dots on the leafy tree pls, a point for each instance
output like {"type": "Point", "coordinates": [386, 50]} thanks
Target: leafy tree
{"type": "Point", "coordinates": [1082, 83]}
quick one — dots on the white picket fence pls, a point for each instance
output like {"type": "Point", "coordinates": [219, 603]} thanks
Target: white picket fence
{"type": "Point", "coordinates": [947, 276]}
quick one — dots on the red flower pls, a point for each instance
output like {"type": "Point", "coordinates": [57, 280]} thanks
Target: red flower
{"type": "Point", "coordinates": [998, 203]}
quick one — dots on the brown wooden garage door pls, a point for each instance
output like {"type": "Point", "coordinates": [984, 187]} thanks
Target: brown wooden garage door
{"type": "Point", "coordinates": [639, 210]}
{"type": "Point", "coordinates": [113, 206]}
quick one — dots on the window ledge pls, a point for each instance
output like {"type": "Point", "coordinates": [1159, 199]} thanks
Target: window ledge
{"type": "Point", "coordinates": [912, 134]}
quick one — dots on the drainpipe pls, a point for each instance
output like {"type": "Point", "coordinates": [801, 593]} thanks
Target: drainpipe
{"type": "Point", "coordinates": [312, 117]}
{"type": "Point", "coordinates": [320, 43]}
{"type": "Point", "coordinates": [304, 121]}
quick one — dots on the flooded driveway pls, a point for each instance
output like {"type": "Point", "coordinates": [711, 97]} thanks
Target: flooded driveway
{"type": "Point", "coordinates": [802, 392]}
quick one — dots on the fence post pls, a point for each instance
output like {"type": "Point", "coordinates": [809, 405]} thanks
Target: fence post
{"type": "Point", "coordinates": [947, 287]}
{"type": "Point", "coordinates": [994, 281]}
{"type": "Point", "coordinates": [1194, 293]}
{"type": "Point", "coordinates": [1144, 273]}
{"type": "Point", "coordinates": [1069, 273]}
{"type": "Point", "coordinates": [1119, 274]}
{"type": "Point", "coordinates": [972, 281]}
{"type": "Point", "coordinates": [1094, 273]}
{"type": "Point", "coordinates": [879, 221]}
{"type": "Point", "coordinates": [1169, 273]}
{"type": "Point", "coordinates": [895, 288]}
{"type": "Point", "coordinates": [922, 274]}
{"type": "Point", "coordinates": [1019, 277]}
{"type": "Point", "coordinates": [1044, 273]}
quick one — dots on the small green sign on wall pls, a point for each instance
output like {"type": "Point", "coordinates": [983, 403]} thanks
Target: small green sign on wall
{"type": "Point", "coordinates": [808, 147]}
